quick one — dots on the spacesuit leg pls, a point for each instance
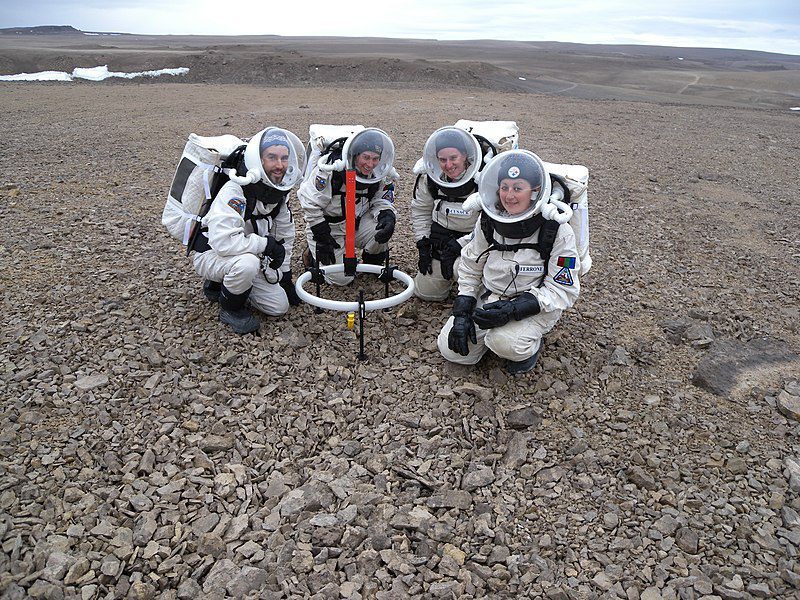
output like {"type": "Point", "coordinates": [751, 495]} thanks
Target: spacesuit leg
{"type": "Point", "coordinates": [236, 273]}
{"type": "Point", "coordinates": [434, 287]}
{"type": "Point", "coordinates": [267, 297]}
{"type": "Point", "coordinates": [519, 340]}
{"type": "Point", "coordinates": [365, 236]}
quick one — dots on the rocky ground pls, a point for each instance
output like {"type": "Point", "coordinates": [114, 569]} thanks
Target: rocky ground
{"type": "Point", "coordinates": [147, 452]}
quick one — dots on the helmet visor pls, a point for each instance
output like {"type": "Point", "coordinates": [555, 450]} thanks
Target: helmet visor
{"type": "Point", "coordinates": [514, 186]}
{"type": "Point", "coordinates": [370, 153]}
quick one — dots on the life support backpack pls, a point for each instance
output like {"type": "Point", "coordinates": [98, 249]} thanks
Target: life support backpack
{"type": "Point", "coordinates": [574, 179]}
{"type": "Point", "coordinates": [198, 178]}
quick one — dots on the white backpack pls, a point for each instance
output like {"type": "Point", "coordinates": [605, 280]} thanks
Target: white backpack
{"type": "Point", "coordinates": [576, 178]}
{"type": "Point", "coordinates": [504, 135]}
{"type": "Point", "coordinates": [195, 177]}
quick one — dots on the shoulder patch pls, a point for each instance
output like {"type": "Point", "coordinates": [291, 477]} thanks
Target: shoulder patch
{"type": "Point", "coordinates": [388, 192]}
{"type": "Point", "coordinates": [566, 261]}
{"type": "Point", "coordinates": [238, 204]}
{"type": "Point", "coordinates": [564, 277]}
{"type": "Point", "coordinates": [320, 183]}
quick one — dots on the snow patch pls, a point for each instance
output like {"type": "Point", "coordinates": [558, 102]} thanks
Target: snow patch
{"type": "Point", "coordinates": [795, 108]}
{"type": "Point", "coordinates": [522, 79]}
{"type": "Point", "coordinates": [90, 74]}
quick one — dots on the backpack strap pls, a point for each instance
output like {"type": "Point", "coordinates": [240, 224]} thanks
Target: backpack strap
{"type": "Point", "coordinates": [548, 232]}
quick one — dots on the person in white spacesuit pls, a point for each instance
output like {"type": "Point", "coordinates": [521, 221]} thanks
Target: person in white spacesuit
{"type": "Point", "coordinates": [370, 153]}
{"type": "Point", "coordinates": [244, 251]}
{"type": "Point", "coordinates": [517, 274]}
{"type": "Point", "coordinates": [441, 224]}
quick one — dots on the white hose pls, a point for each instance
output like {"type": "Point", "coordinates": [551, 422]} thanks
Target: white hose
{"type": "Point", "coordinates": [353, 306]}
{"type": "Point", "coordinates": [251, 177]}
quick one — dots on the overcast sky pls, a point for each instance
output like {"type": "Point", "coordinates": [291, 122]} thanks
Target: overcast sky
{"type": "Point", "coordinates": [771, 25]}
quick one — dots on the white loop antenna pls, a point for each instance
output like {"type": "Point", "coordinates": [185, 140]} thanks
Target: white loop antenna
{"type": "Point", "coordinates": [354, 306]}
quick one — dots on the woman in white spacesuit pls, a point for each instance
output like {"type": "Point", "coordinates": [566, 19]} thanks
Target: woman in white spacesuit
{"type": "Point", "coordinates": [518, 272]}
{"type": "Point", "coordinates": [451, 158]}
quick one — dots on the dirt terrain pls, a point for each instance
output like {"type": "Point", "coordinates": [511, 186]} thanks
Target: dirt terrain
{"type": "Point", "coordinates": [147, 452]}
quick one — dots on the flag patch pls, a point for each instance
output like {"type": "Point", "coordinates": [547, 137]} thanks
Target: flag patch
{"type": "Point", "coordinates": [237, 204]}
{"type": "Point", "coordinates": [567, 262]}
{"type": "Point", "coordinates": [564, 277]}
{"type": "Point", "coordinates": [320, 183]}
{"type": "Point", "coordinates": [388, 192]}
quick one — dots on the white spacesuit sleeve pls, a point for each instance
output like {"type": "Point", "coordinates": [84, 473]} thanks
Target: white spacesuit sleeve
{"type": "Point", "coordinates": [470, 269]}
{"type": "Point", "coordinates": [283, 229]}
{"type": "Point", "coordinates": [421, 208]}
{"type": "Point", "coordinates": [561, 285]}
{"type": "Point", "coordinates": [315, 196]}
{"type": "Point", "coordinates": [225, 222]}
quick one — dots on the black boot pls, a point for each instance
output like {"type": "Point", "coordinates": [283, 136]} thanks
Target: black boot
{"type": "Point", "coordinates": [211, 290]}
{"type": "Point", "coordinates": [232, 312]}
{"type": "Point", "coordinates": [523, 366]}
{"type": "Point", "coordinates": [374, 259]}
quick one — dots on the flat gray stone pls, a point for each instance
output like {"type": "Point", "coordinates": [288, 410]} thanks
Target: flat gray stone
{"type": "Point", "coordinates": [480, 477]}
{"type": "Point", "coordinates": [524, 418]}
{"type": "Point", "coordinates": [732, 366]}
{"type": "Point", "coordinates": [789, 405]}
{"type": "Point", "coordinates": [91, 382]}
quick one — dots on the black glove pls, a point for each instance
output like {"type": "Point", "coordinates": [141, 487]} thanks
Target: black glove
{"type": "Point", "coordinates": [288, 286]}
{"type": "Point", "coordinates": [496, 314]}
{"type": "Point", "coordinates": [463, 328]}
{"type": "Point", "coordinates": [448, 255]}
{"type": "Point", "coordinates": [385, 227]}
{"type": "Point", "coordinates": [275, 251]}
{"type": "Point", "coordinates": [425, 264]}
{"type": "Point", "coordinates": [325, 243]}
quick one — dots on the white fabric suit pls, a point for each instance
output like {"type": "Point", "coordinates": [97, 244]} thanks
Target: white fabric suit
{"type": "Point", "coordinates": [236, 248]}
{"type": "Point", "coordinates": [502, 275]}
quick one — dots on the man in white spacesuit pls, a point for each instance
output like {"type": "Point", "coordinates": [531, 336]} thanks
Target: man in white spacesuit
{"type": "Point", "coordinates": [517, 274]}
{"type": "Point", "coordinates": [441, 224]}
{"type": "Point", "coordinates": [370, 153]}
{"type": "Point", "coordinates": [245, 250]}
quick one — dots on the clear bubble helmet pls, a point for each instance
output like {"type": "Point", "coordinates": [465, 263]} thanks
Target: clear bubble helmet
{"type": "Point", "coordinates": [444, 141]}
{"type": "Point", "coordinates": [258, 147]}
{"type": "Point", "coordinates": [372, 140]}
{"type": "Point", "coordinates": [511, 166]}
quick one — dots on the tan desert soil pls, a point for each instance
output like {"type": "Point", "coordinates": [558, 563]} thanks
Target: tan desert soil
{"type": "Point", "coordinates": [147, 452]}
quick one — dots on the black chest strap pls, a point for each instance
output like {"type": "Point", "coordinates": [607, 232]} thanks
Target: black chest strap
{"type": "Point", "coordinates": [548, 231]}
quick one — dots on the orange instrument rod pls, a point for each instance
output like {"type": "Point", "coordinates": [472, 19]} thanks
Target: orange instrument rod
{"type": "Point", "coordinates": [350, 223]}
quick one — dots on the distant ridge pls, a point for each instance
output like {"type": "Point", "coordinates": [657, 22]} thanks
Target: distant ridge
{"type": "Point", "coordinates": [39, 30]}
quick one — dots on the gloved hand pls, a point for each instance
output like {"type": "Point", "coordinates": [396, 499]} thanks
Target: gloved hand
{"type": "Point", "coordinates": [449, 254]}
{"type": "Point", "coordinates": [496, 314]}
{"type": "Point", "coordinates": [326, 245]}
{"type": "Point", "coordinates": [288, 286]}
{"type": "Point", "coordinates": [385, 227]}
{"type": "Point", "coordinates": [463, 329]}
{"type": "Point", "coordinates": [275, 252]}
{"type": "Point", "coordinates": [425, 264]}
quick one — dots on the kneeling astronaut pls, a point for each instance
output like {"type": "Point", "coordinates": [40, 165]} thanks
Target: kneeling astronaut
{"type": "Point", "coordinates": [370, 152]}
{"type": "Point", "coordinates": [247, 249]}
{"type": "Point", "coordinates": [441, 224]}
{"type": "Point", "coordinates": [517, 274]}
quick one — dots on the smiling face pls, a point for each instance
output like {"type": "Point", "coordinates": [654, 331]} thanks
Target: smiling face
{"type": "Point", "coordinates": [515, 195]}
{"type": "Point", "coordinates": [275, 160]}
{"type": "Point", "coordinates": [452, 162]}
{"type": "Point", "coordinates": [366, 162]}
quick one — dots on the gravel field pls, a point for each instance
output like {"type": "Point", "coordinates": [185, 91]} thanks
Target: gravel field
{"type": "Point", "coordinates": [148, 452]}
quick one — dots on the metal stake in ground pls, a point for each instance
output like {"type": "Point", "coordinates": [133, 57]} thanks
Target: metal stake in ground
{"type": "Point", "coordinates": [362, 314]}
